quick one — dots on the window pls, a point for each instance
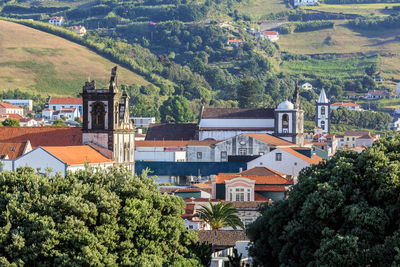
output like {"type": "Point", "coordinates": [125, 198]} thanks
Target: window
{"type": "Point", "coordinates": [295, 164]}
{"type": "Point", "coordinates": [239, 194]}
{"type": "Point", "coordinates": [248, 194]}
{"type": "Point", "coordinates": [199, 155]}
{"type": "Point", "coordinates": [98, 115]}
{"type": "Point", "coordinates": [322, 110]}
{"type": "Point", "coordinates": [354, 138]}
{"type": "Point", "coordinates": [323, 125]}
{"type": "Point", "coordinates": [348, 139]}
{"type": "Point", "coordinates": [223, 155]}
{"type": "Point", "coordinates": [242, 151]}
{"type": "Point", "coordinates": [285, 121]}
{"type": "Point", "coordinates": [190, 226]}
{"type": "Point", "coordinates": [278, 157]}
{"type": "Point", "coordinates": [230, 194]}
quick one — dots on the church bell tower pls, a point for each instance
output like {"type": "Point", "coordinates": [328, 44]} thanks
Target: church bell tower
{"type": "Point", "coordinates": [106, 120]}
{"type": "Point", "coordinates": [322, 110]}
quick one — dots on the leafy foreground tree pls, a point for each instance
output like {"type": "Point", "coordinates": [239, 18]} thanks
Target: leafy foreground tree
{"type": "Point", "coordinates": [103, 218]}
{"type": "Point", "coordinates": [220, 215]}
{"type": "Point", "coordinates": [343, 212]}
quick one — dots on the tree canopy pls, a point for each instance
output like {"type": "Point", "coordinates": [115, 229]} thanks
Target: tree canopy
{"type": "Point", "coordinates": [343, 212]}
{"type": "Point", "coordinates": [176, 109]}
{"type": "Point", "coordinates": [11, 122]}
{"type": "Point", "coordinates": [90, 218]}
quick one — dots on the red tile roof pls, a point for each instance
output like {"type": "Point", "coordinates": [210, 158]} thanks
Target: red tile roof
{"type": "Point", "coordinates": [261, 175]}
{"type": "Point", "coordinates": [269, 139]}
{"type": "Point", "coordinates": [235, 41]}
{"type": "Point", "coordinates": [270, 33]}
{"type": "Point", "coordinates": [343, 104]}
{"type": "Point", "coordinates": [8, 105]}
{"type": "Point", "coordinates": [67, 110]}
{"type": "Point", "coordinates": [259, 197]}
{"type": "Point", "coordinates": [65, 100]}
{"type": "Point", "coordinates": [76, 155]}
{"type": "Point", "coordinates": [237, 113]}
{"type": "Point", "coordinates": [186, 190]}
{"type": "Point", "coordinates": [13, 150]}
{"type": "Point", "coordinates": [11, 116]}
{"type": "Point", "coordinates": [269, 188]}
{"type": "Point", "coordinates": [42, 136]}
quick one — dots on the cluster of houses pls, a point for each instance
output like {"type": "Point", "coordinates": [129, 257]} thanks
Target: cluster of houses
{"type": "Point", "coordinates": [241, 156]}
{"type": "Point", "coordinates": [59, 21]}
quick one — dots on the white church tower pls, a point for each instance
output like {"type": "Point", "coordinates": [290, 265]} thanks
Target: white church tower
{"type": "Point", "coordinates": [322, 110]}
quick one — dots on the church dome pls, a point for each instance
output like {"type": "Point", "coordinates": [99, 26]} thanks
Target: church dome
{"type": "Point", "coordinates": [285, 105]}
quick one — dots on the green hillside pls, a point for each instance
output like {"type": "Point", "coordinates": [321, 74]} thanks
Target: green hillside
{"type": "Point", "coordinates": [35, 61]}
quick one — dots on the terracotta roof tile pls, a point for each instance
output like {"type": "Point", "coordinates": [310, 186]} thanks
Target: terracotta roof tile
{"type": "Point", "coordinates": [261, 175]}
{"type": "Point", "coordinates": [259, 197]}
{"type": "Point", "coordinates": [11, 116]}
{"type": "Point", "coordinates": [66, 101]}
{"type": "Point", "coordinates": [247, 204]}
{"type": "Point", "coordinates": [187, 190]}
{"type": "Point", "coordinates": [269, 188]}
{"type": "Point", "coordinates": [270, 33]}
{"type": "Point", "coordinates": [237, 113]}
{"type": "Point", "coordinates": [355, 133]}
{"type": "Point", "coordinates": [12, 150]}
{"type": "Point", "coordinates": [269, 139]}
{"type": "Point", "coordinates": [314, 160]}
{"type": "Point", "coordinates": [76, 155]}
{"type": "Point", "coordinates": [42, 136]}
{"type": "Point", "coordinates": [343, 104]}
{"type": "Point", "coordinates": [8, 105]}
{"type": "Point", "coordinates": [222, 238]}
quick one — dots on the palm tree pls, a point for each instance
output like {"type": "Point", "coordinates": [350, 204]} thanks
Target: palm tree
{"type": "Point", "coordinates": [220, 215]}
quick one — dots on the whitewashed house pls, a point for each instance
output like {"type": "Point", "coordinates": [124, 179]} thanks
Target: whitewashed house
{"type": "Point", "coordinates": [80, 30]}
{"type": "Point", "coordinates": [284, 160]}
{"type": "Point", "coordinates": [271, 36]}
{"type": "Point", "coordinates": [7, 108]}
{"type": "Point", "coordinates": [60, 159]}
{"type": "Point", "coordinates": [156, 150]}
{"type": "Point", "coordinates": [143, 121]}
{"type": "Point", "coordinates": [58, 21]}
{"type": "Point", "coordinates": [59, 103]}
{"type": "Point", "coordinates": [28, 103]}
{"type": "Point", "coordinates": [305, 2]}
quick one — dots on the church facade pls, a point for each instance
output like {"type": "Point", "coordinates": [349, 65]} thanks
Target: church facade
{"type": "Point", "coordinates": [286, 121]}
{"type": "Point", "coordinates": [106, 120]}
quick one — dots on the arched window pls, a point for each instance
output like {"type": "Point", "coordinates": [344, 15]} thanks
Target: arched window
{"type": "Point", "coordinates": [285, 121]}
{"type": "Point", "coordinates": [323, 125]}
{"type": "Point", "coordinates": [98, 115]}
{"type": "Point", "coordinates": [322, 110]}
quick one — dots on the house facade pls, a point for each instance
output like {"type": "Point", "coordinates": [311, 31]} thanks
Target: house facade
{"type": "Point", "coordinates": [21, 103]}
{"type": "Point", "coordinates": [7, 108]}
{"type": "Point", "coordinates": [285, 160]}
{"type": "Point", "coordinates": [349, 106]}
{"type": "Point", "coordinates": [143, 121]}
{"type": "Point", "coordinates": [64, 103]}
{"type": "Point", "coordinates": [80, 30]}
{"type": "Point", "coordinates": [58, 21]}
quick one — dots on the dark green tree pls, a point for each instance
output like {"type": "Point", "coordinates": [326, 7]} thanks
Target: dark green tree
{"type": "Point", "coordinates": [11, 122]}
{"type": "Point", "coordinates": [203, 252]}
{"type": "Point", "coordinates": [220, 215]}
{"type": "Point", "coordinates": [234, 260]}
{"type": "Point", "coordinates": [342, 212]}
{"type": "Point", "coordinates": [59, 122]}
{"type": "Point", "coordinates": [247, 93]}
{"type": "Point", "coordinates": [176, 109]}
{"type": "Point", "coordinates": [90, 218]}
{"type": "Point", "coordinates": [371, 70]}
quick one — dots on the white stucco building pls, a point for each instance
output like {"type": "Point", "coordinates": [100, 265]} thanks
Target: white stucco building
{"type": "Point", "coordinates": [7, 108]}
{"type": "Point", "coordinates": [59, 159]}
{"type": "Point", "coordinates": [60, 103]}
{"type": "Point", "coordinates": [58, 21]}
{"type": "Point", "coordinates": [284, 160]}
{"type": "Point", "coordinates": [305, 2]}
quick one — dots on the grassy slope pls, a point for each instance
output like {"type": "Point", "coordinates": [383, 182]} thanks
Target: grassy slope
{"type": "Point", "coordinates": [358, 9]}
{"type": "Point", "coordinates": [345, 41]}
{"type": "Point", "coordinates": [35, 61]}
{"type": "Point", "coordinates": [257, 9]}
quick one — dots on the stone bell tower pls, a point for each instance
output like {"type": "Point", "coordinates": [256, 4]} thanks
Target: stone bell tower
{"type": "Point", "coordinates": [106, 120]}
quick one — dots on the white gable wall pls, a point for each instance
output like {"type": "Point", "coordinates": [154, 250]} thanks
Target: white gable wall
{"type": "Point", "coordinates": [290, 164]}
{"type": "Point", "coordinates": [39, 158]}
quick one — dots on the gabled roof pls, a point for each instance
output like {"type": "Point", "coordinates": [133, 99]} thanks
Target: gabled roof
{"type": "Point", "coordinates": [270, 139]}
{"type": "Point", "coordinates": [12, 150]}
{"type": "Point", "coordinates": [42, 136]}
{"type": "Point", "coordinates": [322, 97]}
{"type": "Point", "coordinates": [237, 113]}
{"type": "Point", "coordinates": [314, 160]}
{"type": "Point", "coordinates": [65, 100]}
{"type": "Point", "coordinates": [367, 136]}
{"type": "Point", "coordinates": [172, 131]}
{"type": "Point", "coordinates": [221, 238]}
{"type": "Point", "coordinates": [67, 110]}
{"type": "Point", "coordinates": [76, 155]}
{"type": "Point", "coordinates": [8, 105]}
{"type": "Point", "coordinates": [187, 190]}
{"type": "Point", "coordinates": [11, 116]}
{"type": "Point", "coordinates": [344, 104]}
{"type": "Point", "coordinates": [261, 175]}
{"type": "Point", "coordinates": [160, 143]}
